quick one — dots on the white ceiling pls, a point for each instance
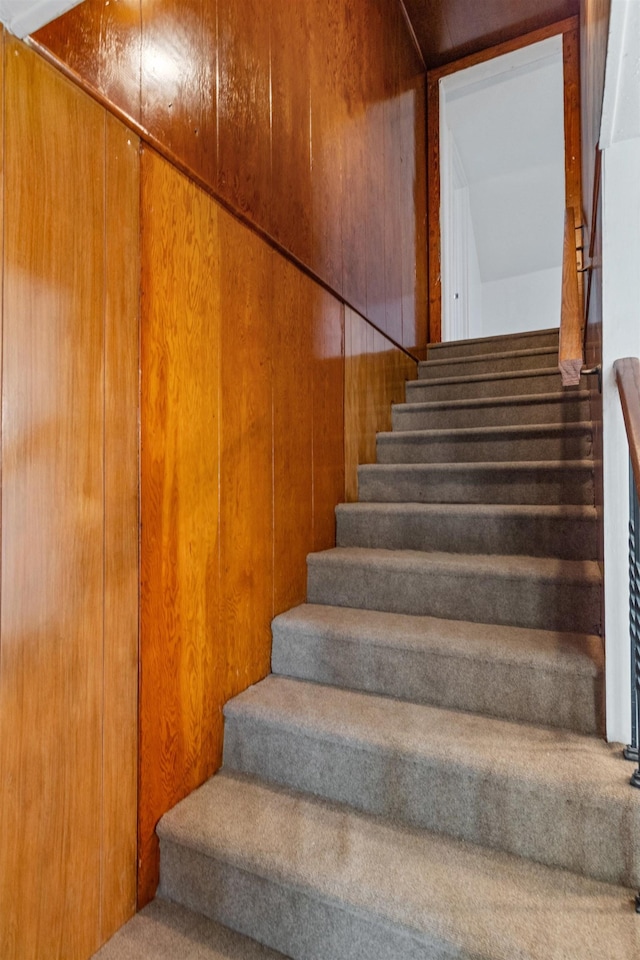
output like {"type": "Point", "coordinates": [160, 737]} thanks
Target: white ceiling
{"type": "Point", "coordinates": [507, 120]}
{"type": "Point", "coordinates": [26, 16]}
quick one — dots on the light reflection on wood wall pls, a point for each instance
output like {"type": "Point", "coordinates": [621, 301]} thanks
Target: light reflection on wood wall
{"type": "Point", "coordinates": [243, 460]}
{"type": "Point", "coordinates": [69, 586]}
{"type": "Point", "coordinates": [314, 132]}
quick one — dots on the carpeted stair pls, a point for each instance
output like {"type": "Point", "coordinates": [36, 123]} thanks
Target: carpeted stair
{"type": "Point", "coordinates": [423, 774]}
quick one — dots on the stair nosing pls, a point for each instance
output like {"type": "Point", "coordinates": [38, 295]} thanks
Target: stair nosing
{"type": "Point", "coordinates": [500, 430]}
{"type": "Point", "coordinates": [485, 377]}
{"type": "Point", "coordinates": [514, 400]}
{"type": "Point", "coordinates": [489, 357]}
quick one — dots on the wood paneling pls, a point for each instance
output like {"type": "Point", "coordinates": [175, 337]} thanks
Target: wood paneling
{"type": "Point", "coordinates": [291, 128]}
{"type": "Point", "coordinates": [572, 145]}
{"type": "Point", "coordinates": [121, 572]}
{"type": "Point", "coordinates": [69, 519]}
{"type": "Point", "coordinates": [327, 380]}
{"type": "Point", "coordinates": [180, 721]}
{"type": "Point", "coordinates": [178, 63]}
{"type": "Point", "coordinates": [295, 115]}
{"type": "Point", "coordinates": [450, 29]}
{"type": "Point", "coordinates": [246, 451]}
{"type": "Point", "coordinates": [292, 432]}
{"type": "Point", "coordinates": [375, 373]}
{"type": "Point", "coordinates": [328, 111]}
{"type": "Point", "coordinates": [433, 210]}
{"type": "Point", "coordinates": [244, 106]}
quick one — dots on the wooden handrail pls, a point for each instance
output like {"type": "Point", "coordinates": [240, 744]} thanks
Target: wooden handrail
{"type": "Point", "coordinates": [627, 373]}
{"type": "Point", "coordinates": [571, 352]}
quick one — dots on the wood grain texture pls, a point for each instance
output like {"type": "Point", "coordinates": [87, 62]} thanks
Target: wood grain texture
{"type": "Point", "coordinates": [292, 432]}
{"type": "Point", "coordinates": [327, 379]}
{"type": "Point", "coordinates": [178, 66]}
{"type": "Point", "coordinates": [393, 180]}
{"type": "Point", "coordinates": [244, 107]}
{"type": "Point", "coordinates": [328, 117]}
{"type": "Point", "coordinates": [292, 114]}
{"type": "Point", "coordinates": [594, 31]}
{"type": "Point", "coordinates": [450, 29]}
{"type": "Point", "coordinates": [246, 450]}
{"type": "Point", "coordinates": [433, 209]}
{"type": "Point", "coordinates": [573, 147]}
{"type": "Point", "coordinates": [291, 128]}
{"type": "Point", "coordinates": [51, 696]}
{"type": "Point", "coordinates": [102, 44]}
{"type": "Point", "coordinates": [180, 720]}
{"type": "Point", "coordinates": [571, 349]}
{"type": "Point", "coordinates": [375, 372]}
{"type": "Point", "coordinates": [121, 563]}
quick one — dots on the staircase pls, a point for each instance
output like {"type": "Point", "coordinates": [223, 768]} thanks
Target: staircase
{"type": "Point", "coordinates": [422, 776]}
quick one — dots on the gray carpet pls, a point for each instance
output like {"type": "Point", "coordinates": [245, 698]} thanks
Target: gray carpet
{"type": "Point", "coordinates": [422, 775]}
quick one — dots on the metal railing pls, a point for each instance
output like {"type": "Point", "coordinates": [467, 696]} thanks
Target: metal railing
{"type": "Point", "coordinates": [628, 379]}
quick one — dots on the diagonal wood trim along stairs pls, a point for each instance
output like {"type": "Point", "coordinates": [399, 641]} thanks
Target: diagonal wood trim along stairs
{"type": "Point", "coordinates": [423, 774]}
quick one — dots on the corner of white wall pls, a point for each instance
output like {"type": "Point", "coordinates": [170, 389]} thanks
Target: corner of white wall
{"type": "Point", "coordinates": [620, 338]}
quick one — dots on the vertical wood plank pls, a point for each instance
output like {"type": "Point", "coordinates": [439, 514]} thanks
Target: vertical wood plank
{"type": "Point", "coordinates": [292, 432]}
{"type": "Point", "coordinates": [178, 80]}
{"type": "Point", "coordinates": [246, 450]}
{"type": "Point", "coordinates": [244, 107]}
{"type": "Point", "coordinates": [433, 209]}
{"type": "Point", "coordinates": [327, 120]}
{"type": "Point", "coordinates": [101, 43]}
{"type": "Point", "coordinates": [120, 719]}
{"type": "Point", "coordinates": [354, 203]}
{"type": "Point", "coordinates": [52, 511]}
{"type": "Point", "coordinates": [180, 720]}
{"type": "Point", "coordinates": [291, 135]}
{"type": "Point", "coordinates": [393, 175]}
{"type": "Point", "coordinates": [572, 144]}
{"type": "Point", "coordinates": [327, 376]}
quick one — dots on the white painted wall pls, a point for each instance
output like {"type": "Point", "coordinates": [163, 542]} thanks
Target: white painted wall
{"type": "Point", "coordinates": [620, 140]}
{"type": "Point", "coordinates": [516, 304]}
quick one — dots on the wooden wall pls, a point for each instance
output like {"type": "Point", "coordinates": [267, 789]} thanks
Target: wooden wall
{"type": "Point", "coordinates": [69, 575]}
{"type": "Point", "coordinates": [258, 386]}
{"type": "Point", "coordinates": [306, 118]}
{"type": "Point", "coordinates": [244, 360]}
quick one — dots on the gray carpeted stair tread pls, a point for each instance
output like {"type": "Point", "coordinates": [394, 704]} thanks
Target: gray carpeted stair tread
{"type": "Point", "coordinates": [489, 781]}
{"type": "Point", "coordinates": [565, 531]}
{"type": "Point", "coordinates": [530, 442]}
{"type": "Point", "coordinates": [534, 676]}
{"type": "Point", "coordinates": [167, 931]}
{"type": "Point", "coordinates": [315, 879]}
{"type": "Point", "coordinates": [492, 411]}
{"type": "Point", "coordinates": [541, 358]}
{"type": "Point", "coordinates": [475, 346]}
{"type": "Point", "coordinates": [546, 482]}
{"type": "Point", "coordinates": [548, 594]}
{"type": "Point", "coordinates": [479, 385]}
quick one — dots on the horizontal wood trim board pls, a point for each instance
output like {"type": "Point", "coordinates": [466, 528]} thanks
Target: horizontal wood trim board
{"type": "Point", "coordinates": [508, 46]}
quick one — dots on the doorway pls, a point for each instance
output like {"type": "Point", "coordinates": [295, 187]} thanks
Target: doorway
{"type": "Point", "coordinates": [506, 126]}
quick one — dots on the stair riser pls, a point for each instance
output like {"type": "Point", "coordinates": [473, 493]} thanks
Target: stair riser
{"type": "Point", "coordinates": [424, 391]}
{"type": "Point", "coordinates": [285, 916]}
{"type": "Point", "coordinates": [397, 448]}
{"type": "Point", "coordinates": [485, 598]}
{"type": "Point", "coordinates": [534, 340]}
{"type": "Point", "coordinates": [488, 687]}
{"type": "Point", "coordinates": [473, 366]}
{"type": "Point", "coordinates": [462, 799]}
{"type": "Point", "coordinates": [401, 485]}
{"type": "Point", "coordinates": [410, 417]}
{"type": "Point", "coordinates": [571, 539]}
